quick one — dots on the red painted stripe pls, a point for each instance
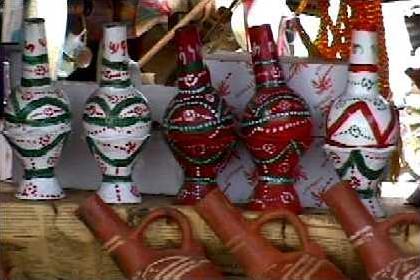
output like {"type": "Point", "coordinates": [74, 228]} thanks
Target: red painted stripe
{"type": "Point", "coordinates": [363, 107]}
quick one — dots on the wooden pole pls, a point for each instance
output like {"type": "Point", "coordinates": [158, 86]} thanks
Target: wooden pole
{"type": "Point", "coordinates": [171, 33]}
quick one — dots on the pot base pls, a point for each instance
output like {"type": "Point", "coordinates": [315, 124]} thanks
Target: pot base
{"type": "Point", "coordinates": [119, 192]}
{"type": "Point", "coordinates": [269, 197]}
{"type": "Point", "coordinates": [40, 189]}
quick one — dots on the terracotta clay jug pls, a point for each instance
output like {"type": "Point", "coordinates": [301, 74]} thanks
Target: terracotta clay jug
{"type": "Point", "coordinates": [38, 118]}
{"type": "Point", "coordinates": [254, 253]}
{"type": "Point", "coordinates": [198, 123]}
{"type": "Point", "coordinates": [382, 258]}
{"type": "Point", "coordinates": [276, 127]}
{"type": "Point", "coordinates": [3, 273]}
{"type": "Point", "coordinates": [135, 259]}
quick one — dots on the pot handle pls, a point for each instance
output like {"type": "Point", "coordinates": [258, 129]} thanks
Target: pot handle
{"type": "Point", "coordinates": [177, 216]}
{"type": "Point", "coordinates": [308, 245]}
{"type": "Point", "coordinates": [399, 219]}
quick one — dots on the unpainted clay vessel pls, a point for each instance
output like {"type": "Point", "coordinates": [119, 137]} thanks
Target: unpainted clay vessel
{"type": "Point", "coordinates": [276, 127]}
{"type": "Point", "coordinates": [137, 261]}
{"type": "Point", "coordinates": [381, 257]}
{"type": "Point", "coordinates": [254, 253]}
{"type": "Point", "coordinates": [3, 272]}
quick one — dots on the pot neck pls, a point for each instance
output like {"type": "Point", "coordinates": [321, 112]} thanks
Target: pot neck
{"type": "Point", "coordinates": [265, 60]}
{"type": "Point", "coordinates": [114, 69]}
{"type": "Point", "coordinates": [35, 65]}
{"type": "Point", "coordinates": [363, 76]}
{"type": "Point", "coordinates": [193, 74]}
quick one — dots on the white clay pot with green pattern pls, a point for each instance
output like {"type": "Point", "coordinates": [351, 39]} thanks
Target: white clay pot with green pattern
{"type": "Point", "coordinates": [362, 126]}
{"type": "Point", "coordinates": [117, 120]}
{"type": "Point", "coordinates": [364, 168]}
{"type": "Point", "coordinates": [38, 119]}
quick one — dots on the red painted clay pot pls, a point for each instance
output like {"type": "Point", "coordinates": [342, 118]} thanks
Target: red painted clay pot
{"type": "Point", "coordinates": [254, 253]}
{"type": "Point", "coordinates": [382, 258]}
{"type": "Point", "coordinates": [198, 124]}
{"type": "Point", "coordinates": [276, 127]}
{"type": "Point", "coordinates": [137, 261]}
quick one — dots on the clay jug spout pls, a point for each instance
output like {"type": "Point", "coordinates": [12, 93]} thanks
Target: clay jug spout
{"type": "Point", "coordinates": [258, 257]}
{"type": "Point", "coordinates": [135, 259]}
{"type": "Point", "coordinates": [114, 234]}
{"type": "Point", "coordinates": [371, 239]}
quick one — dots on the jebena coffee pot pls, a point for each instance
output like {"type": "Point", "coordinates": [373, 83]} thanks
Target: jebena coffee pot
{"type": "Point", "coordinates": [135, 259]}
{"type": "Point", "coordinates": [260, 259]}
{"type": "Point", "coordinates": [382, 258]}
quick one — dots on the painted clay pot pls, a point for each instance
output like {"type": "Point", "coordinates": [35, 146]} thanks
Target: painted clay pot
{"type": "Point", "coordinates": [258, 258]}
{"type": "Point", "coordinates": [198, 124]}
{"type": "Point", "coordinates": [128, 248]}
{"type": "Point", "coordinates": [37, 119]}
{"type": "Point", "coordinates": [117, 120]}
{"type": "Point", "coordinates": [362, 127]}
{"type": "Point", "coordinates": [372, 240]}
{"type": "Point", "coordinates": [276, 127]}
{"type": "Point", "coordinates": [318, 81]}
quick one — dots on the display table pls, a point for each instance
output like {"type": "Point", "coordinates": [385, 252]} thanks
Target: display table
{"type": "Point", "coordinates": [44, 240]}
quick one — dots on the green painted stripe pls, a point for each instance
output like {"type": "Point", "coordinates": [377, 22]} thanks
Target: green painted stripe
{"type": "Point", "coordinates": [116, 83]}
{"type": "Point", "coordinates": [113, 179]}
{"type": "Point", "coordinates": [112, 116]}
{"type": "Point", "coordinates": [39, 173]}
{"type": "Point", "coordinates": [195, 67]}
{"type": "Point", "coordinates": [43, 151]}
{"type": "Point", "coordinates": [113, 162]}
{"type": "Point", "coordinates": [65, 118]}
{"type": "Point", "coordinates": [271, 180]}
{"type": "Point", "coordinates": [22, 115]}
{"type": "Point", "coordinates": [201, 128]}
{"type": "Point", "coordinates": [100, 102]}
{"type": "Point", "coordinates": [35, 82]}
{"type": "Point", "coordinates": [117, 66]}
{"type": "Point", "coordinates": [270, 84]}
{"type": "Point", "coordinates": [33, 105]}
{"type": "Point", "coordinates": [126, 103]}
{"type": "Point", "coordinates": [201, 180]}
{"type": "Point", "coordinates": [113, 122]}
{"type": "Point", "coordinates": [356, 160]}
{"type": "Point", "coordinates": [34, 60]}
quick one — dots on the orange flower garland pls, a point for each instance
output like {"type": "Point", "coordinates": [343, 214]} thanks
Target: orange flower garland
{"type": "Point", "coordinates": [340, 31]}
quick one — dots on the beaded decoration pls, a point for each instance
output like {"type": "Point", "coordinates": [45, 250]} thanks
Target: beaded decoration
{"type": "Point", "coordinates": [198, 124]}
{"type": "Point", "coordinates": [276, 127]}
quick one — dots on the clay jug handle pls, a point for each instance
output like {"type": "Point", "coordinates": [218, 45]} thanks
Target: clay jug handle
{"type": "Point", "coordinates": [182, 221]}
{"type": "Point", "coordinates": [398, 219]}
{"type": "Point", "coordinates": [302, 231]}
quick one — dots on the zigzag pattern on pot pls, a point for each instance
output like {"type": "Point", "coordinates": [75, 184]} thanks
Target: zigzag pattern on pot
{"type": "Point", "coordinates": [382, 138]}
